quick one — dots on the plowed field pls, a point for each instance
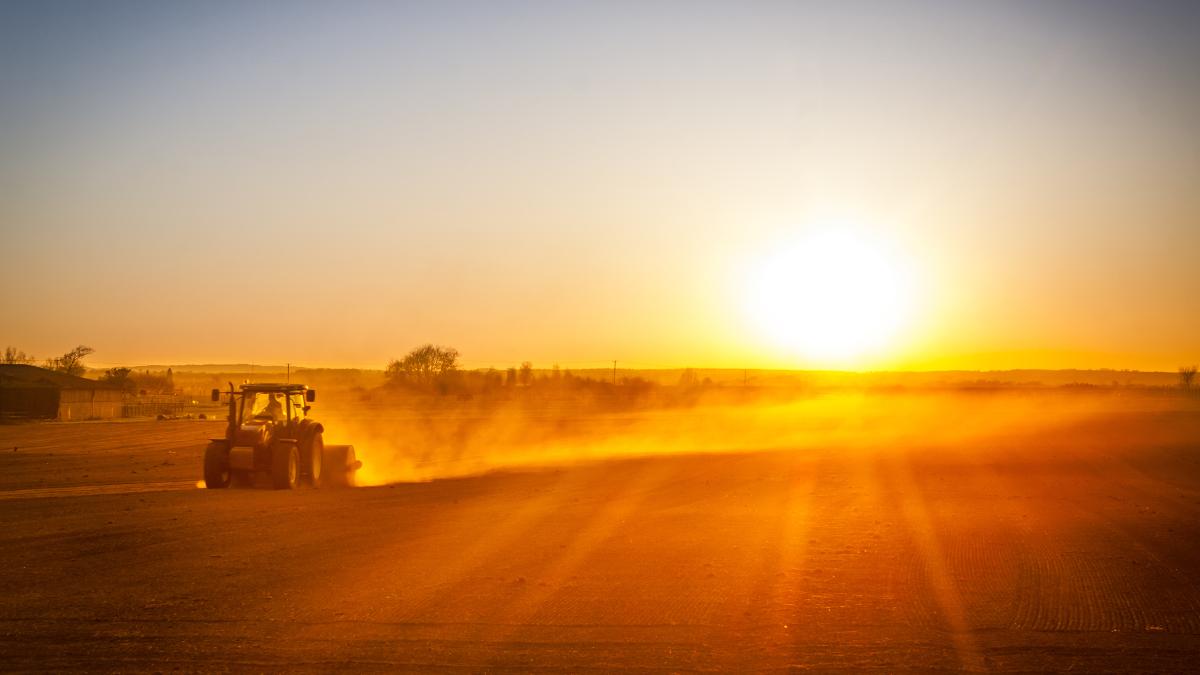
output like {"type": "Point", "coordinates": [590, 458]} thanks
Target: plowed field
{"type": "Point", "coordinates": [1071, 547]}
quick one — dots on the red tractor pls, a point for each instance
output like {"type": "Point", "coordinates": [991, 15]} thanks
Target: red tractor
{"type": "Point", "coordinates": [270, 435]}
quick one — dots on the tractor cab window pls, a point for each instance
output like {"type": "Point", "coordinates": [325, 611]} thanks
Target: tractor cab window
{"type": "Point", "coordinates": [297, 401]}
{"type": "Point", "coordinates": [263, 406]}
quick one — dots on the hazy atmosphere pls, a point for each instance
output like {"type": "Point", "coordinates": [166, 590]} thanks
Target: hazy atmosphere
{"type": "Point", "coordinates": [587, 337]}
{"type": "Point", "coordinates": [982, 185]}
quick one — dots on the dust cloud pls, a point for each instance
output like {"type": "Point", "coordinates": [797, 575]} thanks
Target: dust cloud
{"type": "Point", "coordinates": [410, 444]}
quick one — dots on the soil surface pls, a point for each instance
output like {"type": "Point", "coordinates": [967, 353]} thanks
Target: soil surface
{"type": "Point", "coordinates": [1074, 548]}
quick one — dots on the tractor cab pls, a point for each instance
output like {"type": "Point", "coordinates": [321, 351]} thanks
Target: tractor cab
{"type": "Point", "coordinates": [267, 410]}
{"type": "Point", "coordinates": [285, 405]}
{"type": "Point", "coordinates": [267, 402]}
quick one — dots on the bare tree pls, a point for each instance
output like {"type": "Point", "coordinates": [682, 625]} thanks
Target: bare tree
{"type": "Point", "coordinates": [526, 374]}
{"type": "Point", "coordinates": [1187, 376]}
{"type": "Point", "coordinates": [71, 363]}
{"type": "Point", "coordinates": [423, 366]}
{"type": "Point", "coordinates": [13, 355]}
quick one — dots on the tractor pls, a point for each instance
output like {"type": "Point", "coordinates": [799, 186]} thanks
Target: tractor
{"type": "Point", "coordinates": [271, 436]}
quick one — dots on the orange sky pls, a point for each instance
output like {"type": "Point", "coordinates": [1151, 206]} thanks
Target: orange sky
{"type": "Point", "coordinates": [578, 184]}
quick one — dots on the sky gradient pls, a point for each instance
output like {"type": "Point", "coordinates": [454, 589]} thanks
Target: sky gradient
{"type": "Point", "coordinates": [334, 183]}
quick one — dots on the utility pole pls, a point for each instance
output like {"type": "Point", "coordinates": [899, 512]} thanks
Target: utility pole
{"type": "Point", "coordinates": [614, 372]}
{"type": "Point", "coordinates": [289, 373]}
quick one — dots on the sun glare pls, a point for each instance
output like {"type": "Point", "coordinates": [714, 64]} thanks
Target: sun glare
{"type": "Point", "coordinates": [834, 297]}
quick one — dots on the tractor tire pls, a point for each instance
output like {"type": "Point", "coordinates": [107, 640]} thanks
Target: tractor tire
{"type": "Point", "coordinates": [340, 466]}
{"type": "Point", "coordinates": [313, 459]}
{"type": "Point", "coordinates": [216, 466]}
{"type": "Point", "coordinates": [285, 466]}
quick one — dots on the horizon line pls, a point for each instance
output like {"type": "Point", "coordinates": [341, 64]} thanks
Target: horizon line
{"type": "Point", "coordinates": [295, 367]}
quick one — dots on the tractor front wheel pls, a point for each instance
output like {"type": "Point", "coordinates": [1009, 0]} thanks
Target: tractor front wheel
{"type": "Point", "coordinates": [216, 466]}
{"type": "Point", "coordinates": [285, 466]}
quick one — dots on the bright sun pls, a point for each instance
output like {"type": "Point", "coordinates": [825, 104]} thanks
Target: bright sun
{"type": "Point", "coordinates": [833, 297]}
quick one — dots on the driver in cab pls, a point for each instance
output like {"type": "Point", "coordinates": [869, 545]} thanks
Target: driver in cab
{"type": "Point", "coordinates": [274, 409]}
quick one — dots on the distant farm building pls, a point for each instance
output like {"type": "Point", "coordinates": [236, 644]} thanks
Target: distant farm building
{"type": "Point", "coordinates": [29, 392]}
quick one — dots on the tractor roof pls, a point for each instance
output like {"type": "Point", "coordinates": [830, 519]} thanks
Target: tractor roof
{"type": "Point", "coordinates": [274, 386]}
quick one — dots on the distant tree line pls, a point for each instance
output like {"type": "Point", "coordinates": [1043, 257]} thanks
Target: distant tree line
{"type": "Point", "coordinates": [435, 370]}
{"type": "Point", "coordinates": [70, 363]}
{"type": "Point", "coordinates": [145, 382]}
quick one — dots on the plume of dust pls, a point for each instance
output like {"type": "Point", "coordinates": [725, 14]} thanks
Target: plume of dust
{"type": "Point", "coordinates": [405, 445]}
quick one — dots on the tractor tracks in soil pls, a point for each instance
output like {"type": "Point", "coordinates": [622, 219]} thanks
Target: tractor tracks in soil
{"type": "Point", "coordinates": [93, 490]}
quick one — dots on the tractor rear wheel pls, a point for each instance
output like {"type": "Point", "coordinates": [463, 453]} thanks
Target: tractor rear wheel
{"type": "Point", "coordinates": [313, 459]}
{"type": "Point", "coordinates": [216, 466]}
{"type": "Point", "coordinates": [285, 466]}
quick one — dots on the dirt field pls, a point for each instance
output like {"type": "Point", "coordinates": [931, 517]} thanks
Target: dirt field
{"type": "Point", "coordinates": [1073, 546]}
